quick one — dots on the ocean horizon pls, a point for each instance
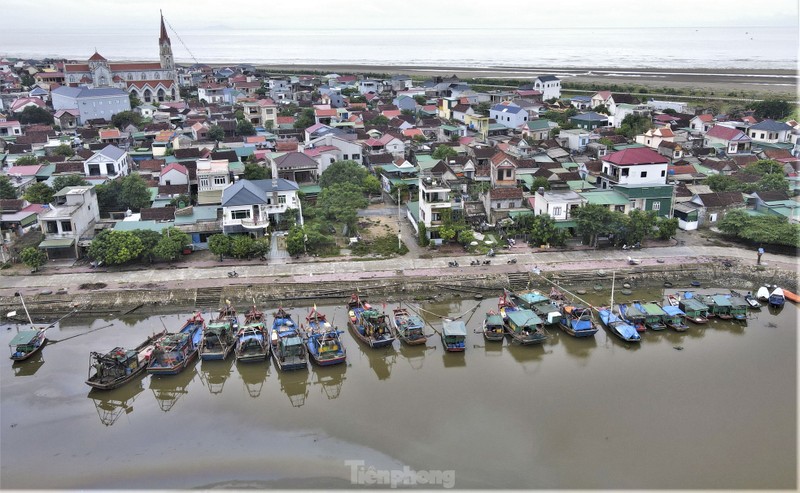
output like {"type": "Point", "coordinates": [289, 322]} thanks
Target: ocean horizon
{"type": "Point", "coordinates": [744, 48]}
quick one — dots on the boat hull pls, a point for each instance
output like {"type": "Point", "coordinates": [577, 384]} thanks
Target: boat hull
{"type": "Point", "coordinates": [289, 364]}
{"type": "Point", "coordinates": [23, 356]}
{"type": "Point", "coordinates": [100, 385]}
{"type": "Point", "coordinates": [173, 369]}
{"type": "Point", "coordinates": [493, 336]}
{"type": "Point", "coordinates": [373, 343]}
{"type": "Point", "coordinates": [252, 358]}
{"type": "Point", "coordinates": [216, 355]}
{"type": "Point", "coordinates": [577, 333]}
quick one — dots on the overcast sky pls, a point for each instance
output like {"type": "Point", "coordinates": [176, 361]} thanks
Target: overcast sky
{"type": "Point", "coordinates": [188, 15]}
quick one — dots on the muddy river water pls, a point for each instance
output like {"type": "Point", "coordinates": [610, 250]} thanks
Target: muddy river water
{"type": "Point", "coordinates": [715, 407]}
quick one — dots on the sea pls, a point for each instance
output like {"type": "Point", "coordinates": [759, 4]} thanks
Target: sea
{"type": "Point", "coordinates": [670, 48]}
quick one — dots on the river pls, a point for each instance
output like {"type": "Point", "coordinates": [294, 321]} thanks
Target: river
{"type": "Point", "coordinates": [715, 407]}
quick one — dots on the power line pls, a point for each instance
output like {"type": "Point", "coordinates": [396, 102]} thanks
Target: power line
{"type": "Point", "coordinates": [181, 40]}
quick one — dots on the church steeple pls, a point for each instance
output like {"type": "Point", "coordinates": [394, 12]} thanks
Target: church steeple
{"type": "Point", "coordinates": [164, 38]}
{"type": "Point", "coordinates": [165, 48]}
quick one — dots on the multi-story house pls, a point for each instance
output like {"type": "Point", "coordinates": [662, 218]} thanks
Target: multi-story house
{"type": "Point", "coordinates": [68, 220]}
{"type": "Point", "coordinates": [110, 162]}
{"type": "Point", "coordinates": [91, 104]}
{"type": "Point", "coordinates": [634, 166]}
{"type": "Point", "coordinates": [213, 177]}
{"type": "Point", "coordinates": [549, 85]}
{"type": "Point", "coordinates": [211, 93]}
{"type": "Point", "coordinates": [434, 202]}
{"type": "Point", "coordinates": [560, 205]}
{"type": "Point", "coordinates": [730, 140]}
{"type": "Point", "coordinates": [262, 112]}
{"type": "Point", "coordinates": [770, 131]}
{"type": "Point", "coordinates": [508, 114]}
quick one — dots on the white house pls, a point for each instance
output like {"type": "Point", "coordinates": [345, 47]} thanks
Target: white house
{"type": "Point", "coordinates": [434, 200]}
{"type": "Point", "coordinates": [633, 166]}
{"type": "Point", "coordinates": [111, 162]}
{"type": "Point", "coordinates": [252, 206]}
{"type": "Point", "coordinates": [732, 140]}
{"type": "Point", "coordinates": [211, 93]}
{"type": "Point", "coordinates": [262, 112]}
{"type": "Point", "coordinates": [702, 123]}
{"type": "Point", "coordinates": [9, 127]}
{"type": "Point", "coordinates": [549, 85]}
{"type": "Point", "coordinates": [213, 177]}
{"type": "Point", "coordinates": [577, 139]}
{"type": "Point", "coordinates": [770, 131]}
{"type": "Point", "coordinates": [508, 114]}
{"type": "Point", "coordinates": [367, 85]}
{"type": "Point", "coordinates": [174, 174]}
{"type": "Point", "coordinates": [346, 150]}
{"type": "Point", "coordinates": [560, 205]}
{"type": "Point", "coordinates": [72, 214]}
{"type": "Point", "coordinates": [654, 136]}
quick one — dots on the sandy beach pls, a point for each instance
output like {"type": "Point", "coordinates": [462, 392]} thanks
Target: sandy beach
{"type": "Point", "coordinates": [719, 81]}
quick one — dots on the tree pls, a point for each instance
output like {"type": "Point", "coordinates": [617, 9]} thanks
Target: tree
{"type": "Point", "coordinates": [764, 167]}
{"type": "Point", "coordinates": [341, 201]}
{"type": "Point", "coordinates": [723, 183]}
{"type": "Point", "coordinates": [601, 108]}
{"type": "Point", "coordinates": [444, 152]}
{"type": "Point", "coordinates": [115, 247]}
{"type": "Point", "coordinates": [64, 150]}
{"type": "Point", "coordinates": [377, 121]}
{"type": "Point", "coordinates": [171, 244]}
{"type": "Point", "coordinates": [305, 120]}
{"type": "Point", "coordinates": [446, 232]}
{"type": "Point", "coordinates": [34, 114]}
{"type": "Point", "coordinates": [633, 125]}
{"type": "Point", "coordinates": [343, 172]}
{"type": "Point", "coordinates": [39, 193]}
{"type": "Point", "coordinates": [60, 182]}
{"type": "Point", "coordinates": [7, 190]}
{"type": "Point", "coordinates": [134, 100]}
{"type": "Point", "coordinates": [639, 226]}
{"type": "Point", "coordinates": [466, 236]}
{"type": "Point", "coordinates": [220, 244]}
{"type": "Point", "coordinates": [149, 240]}
{"type": "Point", "coordinates": [540, 182]}
{"type": "Point", "coordinates": [774, 108]}
{"type": "Point", "coordinates": [371, 185]}
{"type": "Point", "coordinates": [420, 99]}
{"type": "Point", "coordinates": [423, 234]}
{"type": "Point", "coordinates": [760, 229]}
{"type": "Point", "coordinates": [108, 197]}
{"type": "Point", "coordinates": [125, 118]}
{"type": "Point", "coordinates": [543, 231]}
{"type": "Point", "coordinates": [241, 246]}
{"type": "Point", "coordinates": [592, 221]}
{"type": "Point", "coordinates": [181, 200]}
{"type": "Point", "coordinates": [254, 171]}
{"type": "Point", "coordinates": [215, 132]}
{"type": "Point", "coordinates": [667, 228]}
{"type": "Point", "coordinates": [27, 80]}
{"type": "Point", "coordinates": [772, 182]}
{"type": "Point", "coordinates": [33, 258]}
{"type": "Point", "coordinates": [134, 193]}
{"type": "Point", "coordinates": [295, 241]}
{"type": "Point", "coordinates": [244, 127]}
{"type": "Point", "coordinates": [27, 161]}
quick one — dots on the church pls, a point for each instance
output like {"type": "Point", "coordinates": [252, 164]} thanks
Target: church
{"type": "Point", "coordinates": [149, 81]}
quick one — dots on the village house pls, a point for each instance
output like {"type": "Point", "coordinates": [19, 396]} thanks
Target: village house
{"type": "Point", "coordinates": [255, 206]}
{"type": "Point", "coordinates": [9, 128]}
{"type": "Point", "coordinates": [213, 176]}
{"type": "Point", "coordinates": [701, 123]}
{"type": "Point", "coordinates": [589, 121]}
{"type": "Point", "coordinates": [68, 221]}
{"type": "Point", "coordinates": [434, 201]}
{"type": "Point", "coordinates": [261, 113]}
{"type": "Point", "coordinates": [654, 136]}
{"type": "Point", "coordinates": [110, 162]}
{"type": "Point", "coordinates": [92, 104]}
{"type": "Point", "coordinates": [769, 131]}
{"type": "Point", "coordinates": [633, 166]}
{"type": "Point", "coordinates": [548, 85]}
{"type": "Point", "coordinates": [560, 205]}
{"type": "Point", "coordinates": [508, 114]}
{"type": "Point", "coordinates": [726, 139]}
{"type": "Point", "coordinates": [712, 207]}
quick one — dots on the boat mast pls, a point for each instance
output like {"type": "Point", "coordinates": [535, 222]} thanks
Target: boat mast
{"type": "Point", "coordinates": [613, 278]}
{"type": "Point", "coordinates": [25, 307]}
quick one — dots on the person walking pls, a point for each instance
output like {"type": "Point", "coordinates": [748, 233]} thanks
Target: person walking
{"type": "Point", "coordinates": [760, 253]}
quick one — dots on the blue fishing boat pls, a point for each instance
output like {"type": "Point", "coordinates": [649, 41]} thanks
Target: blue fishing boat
{"type": "Point", "coordinates": [322, 340]}
{"type": "Point", "coordinates": [777, 298]}
{"type": "Point", "coordinates": [219, 336]}
{"type": "Point", "coordinates": [286, 343]}
{"type": "Point", "coordinates": [367, 324]}
{"type": "Point", "coordinates": [675, 318]}
{"type": "Point", "coordinates": [454, 335]}
{"type": "Point", "coordinates": [173, 353]}
{"type": "Point", "coordinates": [251, 340]}
{"type": "Point", "coordinates": [576, 320]}
{"type": "Point", "coordinates": [26, 343]}
{"type": "Point", "coordinates": [618, 327]}
{"type": "Point", "coordinates": [409, 328]}
{"type": "Point", "coordinates": [632, 315]}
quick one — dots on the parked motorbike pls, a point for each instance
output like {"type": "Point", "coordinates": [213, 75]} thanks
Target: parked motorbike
{"type": "Point", "coordinates": [233, 273]}
{"type": "Point", "coordinates": [635, 246]}
{"type": "Point", "coordinates": [512, 261]}
{"type": "Point", "coordinates": [487, 262]}
{"type": "Point", "coordinates": [475, 262]}
{"type": "Point", "coordinates": [452, 263]}
{"type": "Point", "coordinates": [490, 253]}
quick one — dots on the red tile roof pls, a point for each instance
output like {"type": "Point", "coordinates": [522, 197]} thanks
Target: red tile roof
{"type": "Point", "coordinates": [97, 57]}
{"type": "Point", "coordinates": [634, 156]}
{"type": "Point", "coordinates": [706, 117]}
{"type": "Point", "coordinates": [506, 193]}
{"type": "Point", "coordinates": [726, 133]}
{"type": "Point", "coordinates": [175, 166]}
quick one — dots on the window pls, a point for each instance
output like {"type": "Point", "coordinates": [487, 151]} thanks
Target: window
{"type": "Point", "coordinates": [656, 206]}
{"type": "Point", "coordinates": [356, 157]}
{"type": "Point", "coordinates": [663, 172]}
{"type": "Point", "coordinates": [281, 199]}
{"type": "Point", "coordinates": [204, 182]}
{"type": "Point", "coordinates": [625, 171]}
{"type": "Point", "coordinates": [220, 180]}
{"type": "Point", "coordinates": [240, 214]}
{"type": "Point", "coordinates": [644, 174]}
{"type": "Point", "coordinates": [130, 76]}
{"type": "Point", "coordinates": [557, 211]}
{"type": "Point", "coordinates": [52, 226]}
{"type": "Point", "coordinates": [762, 135]}
{"type": "Point", "coordinates": [66, 227]}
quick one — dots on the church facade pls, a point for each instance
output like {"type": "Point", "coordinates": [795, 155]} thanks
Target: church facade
{"type": "Point", "coordinates": [150, 81]}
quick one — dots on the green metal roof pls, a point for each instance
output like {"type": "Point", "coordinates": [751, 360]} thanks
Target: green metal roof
{"type": "Point", "coordinates": [645, 191]}
{"type": "Point", "coordinates": [57, 243]}
{"type": "Point", "coordinates": [522, 318]}
{"type": "Point", "coordinates": [652, 309]}
{"type": "Point", "coordinates": [567, 224]}
{"type": "Point", "coordinates": [236, 167]}
{"type": "Point", "coordinates": [413, 208]}
{"type": "Point", "coordinates": [153, 193]}
{"type": "Point", "coordinates": [449, 128]}
{"type": "Point", "coordinates": [199, 213]}
{"type": "Point", "coordinates": [244, 151]}
{"type": "Point", "coordinates": [627, 146]}
{"type": "Point", "coordinates": [515, 214]}
{"type": "Point", "coordinates": [24, 337]}
{"type": "Point", "coordinates": [44, 172]}
{"type": "Point", "coordinates": [393, 168]}
{"type": "Point", "coordinates": [497, 126]}
{"type": "Point", "coordinates": [156, 226]}
{"type": "Point", "coordinates": [580, 185]}
{"type": "Point", "coordinates": [310, 189]}
{"type": "Point", "coordinates": [408, 181]}
{"type": "Point", "coordinates": [604, 197]}
{"type": "Point", "coordinates": [539, 124]}
{"type": "Point", "coordinates": [526, 179]}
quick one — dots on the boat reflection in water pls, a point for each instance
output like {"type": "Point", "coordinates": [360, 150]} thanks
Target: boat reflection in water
{"type": "Point", "coordinates": [111, 404]}
{"type": "Point", "coordinates": [169, 389]}
{"type": "Point", "coordinates": [330, 379]}
{"type": "Point", "coordinates": [213, 373]}
{"type": "Point", "coordinates": [415, 355]}
{"type": "Point", "coordinates": [295, 385]}
{"type": "Point", "coordinates": [253, 376]}
{"type": "Point", "coordinates": [29, 366]}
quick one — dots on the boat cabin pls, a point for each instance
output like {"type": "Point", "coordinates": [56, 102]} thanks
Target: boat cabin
{"type": "Point", "coordinates": [454, 334]}
{"type": "Point", "coordinates": [693, 308]}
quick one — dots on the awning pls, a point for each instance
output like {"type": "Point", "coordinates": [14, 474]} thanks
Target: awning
{"type": "Point", "coordinates": [59, 243]}
{"type": "Point", "coordinates": [567, 224]}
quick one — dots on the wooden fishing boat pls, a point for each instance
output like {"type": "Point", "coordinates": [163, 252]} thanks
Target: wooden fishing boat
{"type": "Point", "coordinates": [506, 305]}
{"type": "Point", "coordinates": [219, 336]}
{"type": "Point", "coordinates": [673, 300]}
{"type": "Point", "coordinates": [174, 351]}
{"type": "Point", "coordinates": [790, 295]}
{"type": "Point", "coordinates": [654, 315]}
{"type": "Point", "coordinates": [286, 344]}
{"type": "Point", "coordinates": [617, 326]}
{"type": "Point", "coordinates": [695, 310]}
{"type": "Point", "coordinates": [547, 309]}
{"type": "Point", "coordinates": [763, 293]}
{"type": "Point", "coordinates": [251, 340]}
{"type": "Point", "coordinates": [675, 318]}
{"type": "Point", "coordinates": [718, 305]}
{"type": "Point", "coordinates": [632, 315]}
{"type": "Point", "coordinates": [738, 306]}
{"type": "Point", "coordinates": [751, 300]}
{"type": "Point", "coordinates": [524, 327]}
{"type": "Point", "coordinates": [454, 335]}
{"type": "Point", "coordinates": [576, 320]}
{"type": "Point", "coordinates": [777, 298]}
{"type": "Point", "coordinates": [407, 327]}
{"type": "Point", "coordinates": [367, 324]}
{"type": "Point", "coordinates": [26, 343]}
{"type": "Point", "coordinates": [493, 327]}
{"type": "Point", "coordinates": [556, 295]}
{"type": "Point", "coordinates": [119, 366]}
{"type": "Point", "coordinates": [322, 340]}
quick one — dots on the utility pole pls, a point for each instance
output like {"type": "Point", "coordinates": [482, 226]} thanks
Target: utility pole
{"type": "Point", "coordinates": [399, 223]}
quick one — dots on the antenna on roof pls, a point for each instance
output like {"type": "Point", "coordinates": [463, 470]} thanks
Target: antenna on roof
{"type": "Point", "coordinates": [179, 39]}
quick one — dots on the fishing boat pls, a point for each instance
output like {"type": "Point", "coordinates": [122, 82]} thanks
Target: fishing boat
{"type": "Point", "coordinates": [738, 306]}
{"type": "Point", "coordinates": [367, 324]}
{"type": "Point", "coordinates": [790, 295]}
{"type": "Point", "coordinates": [26, 343]}
{"type": "Point", "coordinates": [632, 315]}
{"type": "Point", "coordinates": [576, 320]}
{"type": "Point", "coordinates": [673, 300]}
{"type": "Point", "coordinates": [654, 315]}
{"type": "Point", "coordinates": [286, 343]}
{"type": "Point", "coordinates": [718, 305]}
{"type": "Point", "coordinates": [119, 366]}
{"type": "Point", "coordinates": [525, 327]}
{"type": "Point", "coordinates": [322, 340]}
{"type": "Point", "coordinates": [408, 327]}
{"type": "Point", "coordinates": [542, 305]}
{"type": "Point", "coordinates": [777, 298]}
{"type": "Point", "coordinates": [251, 340]}
{"type": "Point", "coordinates": [557, 295]}
{"type": "Point", "coordinates": [675, 318]}
{"type": "Point", "coordinates": [454, 335]}
{"type": "Point", "coordinates": [493, 327]}
{"type": "Point", "coordinates": [695, 310]}
{"type": "Point", "coordinates": [618, 327]}
{"type": "Point", "coordinates": [506, 305]}
{"type": "Point", "coordinates": [763, 293]}
{"type": "Point", "coordinates": [751, 300]}
{"type": "Point", "coordinates": [175, 351]}
{"type": "Point", "coordinates": [219, 336]}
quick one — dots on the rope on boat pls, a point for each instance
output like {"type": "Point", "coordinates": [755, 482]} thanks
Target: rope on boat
{"type": "Point", "coordinates": [81, 334]}
{"type": "Point", "coordinates": [590, 305]}
{"type": "Point", "coordinates": [423, 319]}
